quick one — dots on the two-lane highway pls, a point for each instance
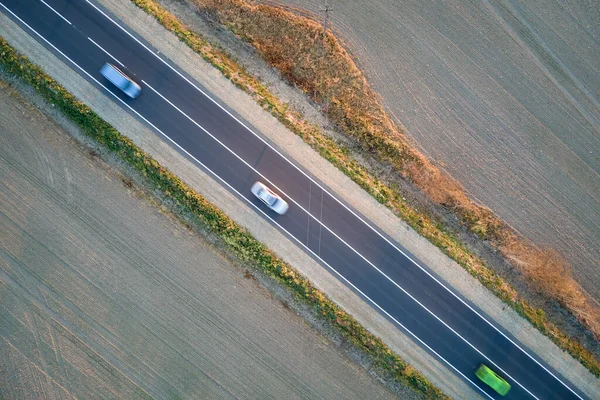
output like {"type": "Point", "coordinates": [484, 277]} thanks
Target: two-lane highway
{"type": "Point", "coordinates": [177, 108]}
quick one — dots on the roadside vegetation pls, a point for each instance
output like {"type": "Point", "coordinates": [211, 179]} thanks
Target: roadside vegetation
{"type": "Point", "coordinates": [234, 238]}
{"type": "Point", "coordinates": [326, 73]}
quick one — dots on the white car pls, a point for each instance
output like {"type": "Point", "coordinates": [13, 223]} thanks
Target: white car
{"type": "Point", "coordinates": [120, 80]}
{"type": "Point", "coordinates": [270, 198]}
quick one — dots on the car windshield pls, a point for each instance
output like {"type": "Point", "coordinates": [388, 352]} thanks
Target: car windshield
{"type": "Point", "coordinates": [267, 197]}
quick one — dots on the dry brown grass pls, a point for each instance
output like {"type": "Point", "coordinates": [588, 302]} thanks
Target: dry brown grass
{"type": "Point", "coordinates": [326, 72]}
{"type": "Point", "coordinates": [548, 272]}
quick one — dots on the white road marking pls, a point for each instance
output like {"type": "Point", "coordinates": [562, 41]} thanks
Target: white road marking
{"type": "Point", "coordinates": [320, 219]}
{"type": "Point", "coordinates": [107, 53]}
{"type": "Point", "coordinates": [316, 183]}
{"type": "Point", "coordinates": [56, 12]}
{"type": "Point", "coordinates": [336, 236]}
{"type": "Point", "coordinates": [309, 215]}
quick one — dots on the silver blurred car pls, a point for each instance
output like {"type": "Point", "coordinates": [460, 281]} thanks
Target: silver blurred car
{"type": "Point", "coordinates": [120, 80]}
{"type": "Point", "coordinates": [270, 198]}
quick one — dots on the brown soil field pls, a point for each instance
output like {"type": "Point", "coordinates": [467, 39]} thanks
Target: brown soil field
{"type": "Point", "coordinates": [504, 97]}
{"type": "Point", "coordinates": [103, 294]}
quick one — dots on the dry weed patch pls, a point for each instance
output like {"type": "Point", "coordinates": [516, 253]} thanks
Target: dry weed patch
{"type": "Point", "coordinates": [328, 75]}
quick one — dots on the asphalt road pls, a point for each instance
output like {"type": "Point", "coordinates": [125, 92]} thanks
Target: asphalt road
{"type": "Point", "coordinates": [364, 259]}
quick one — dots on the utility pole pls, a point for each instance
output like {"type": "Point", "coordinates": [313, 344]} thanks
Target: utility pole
{"type": "Point", "coordinates": [326, 10]}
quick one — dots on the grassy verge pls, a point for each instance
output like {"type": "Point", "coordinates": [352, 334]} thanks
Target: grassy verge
{"type": "Point", "coordinates": [235, 238]}
{"type": "Point", "coordinates": [373, 130]}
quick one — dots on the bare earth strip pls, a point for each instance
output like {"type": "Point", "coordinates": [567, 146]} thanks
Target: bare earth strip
{"type": "Point", "coordinates": [104, 296]}
{"type": "Point", "coordinates": [505, 95]}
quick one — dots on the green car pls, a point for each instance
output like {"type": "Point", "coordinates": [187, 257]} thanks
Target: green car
{"type": "Point", "coordinates": [492, 379]}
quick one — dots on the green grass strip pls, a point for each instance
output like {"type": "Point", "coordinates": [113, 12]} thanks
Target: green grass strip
{"type": "Point", "coordinates": [236, 239]}
{"type": "Point", "coordinates": [392, 198]}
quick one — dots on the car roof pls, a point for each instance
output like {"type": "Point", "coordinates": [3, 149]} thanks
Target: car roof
{"type": "Point", "coordinates": [267, 195]}
{"type": "Point", "coordinates": [488, 376]}
{"type": "Point", "coordinates": [113, 74]}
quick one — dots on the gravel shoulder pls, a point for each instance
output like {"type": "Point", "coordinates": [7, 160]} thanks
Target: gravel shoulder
{"type": "Point", "coordinates": [104, 295]}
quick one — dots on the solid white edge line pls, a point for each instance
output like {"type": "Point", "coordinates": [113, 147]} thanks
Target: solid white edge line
{"type": "Point", "coordinates": [316, 183]}
{"type": "Point", "coordinates": [337, 200]}
{"type": "Point", "coordinates": [110, 55]}
{"type": "Point", "coordinates": [56, 12]}
{"type": "Point", "coordinates": [339, 238]}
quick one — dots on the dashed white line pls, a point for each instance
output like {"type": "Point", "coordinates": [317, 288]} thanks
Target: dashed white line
{"type": "Point", "coordinates": [107, 53]}
{"type": "Point", "coordinates": [56, 12]}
